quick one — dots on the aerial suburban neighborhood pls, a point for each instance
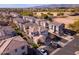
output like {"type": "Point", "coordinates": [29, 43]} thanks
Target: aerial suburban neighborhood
{"type": "Point", "coordinates": [40, 30]}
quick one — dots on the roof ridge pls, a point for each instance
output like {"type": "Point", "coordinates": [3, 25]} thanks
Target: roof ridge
{"type": "Point", "coordinates": [9, 41]}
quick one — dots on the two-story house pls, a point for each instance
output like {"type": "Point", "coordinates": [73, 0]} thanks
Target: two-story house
{"type": "Point", "coordinates": [13, 46]}
{"type": "Point", "coordinates": [56, 28]}
{"type": "Point", "coordinates": [6, 32]}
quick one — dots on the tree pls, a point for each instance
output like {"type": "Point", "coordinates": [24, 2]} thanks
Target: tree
{"type": "Point", "coordinates": [44, 16]}
{"type": "Point", "coordinates": [72, 10]}
{"type": "Point", "coordinates": [47, 17]}
{"type": "Point", "coordinates": [60, 14]}
{"type": "Point", "coordinates": [34, 45]}
{"type": "Point", "coordinates": [50, 13]}
{"type": "Point", "coordinates": [18, 32]}
{"type": "Point", "coordinates": [75, 26]}
{"type": "Point", "coordinates": [25, 13]}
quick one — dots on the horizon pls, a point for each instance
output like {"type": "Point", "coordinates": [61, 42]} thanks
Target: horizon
{"type": "Point", "coordinates": [19, 5]}
{"type": "Point", "coordinates": [27, 5]}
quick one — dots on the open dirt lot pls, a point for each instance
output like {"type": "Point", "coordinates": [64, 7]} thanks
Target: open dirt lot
{"type": "Point", "coordinates": [68, 20]}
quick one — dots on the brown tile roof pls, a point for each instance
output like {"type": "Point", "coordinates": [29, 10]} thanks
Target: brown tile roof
{"type": "Point", "coordinates": [11, 44]}
{"type": "Point", "coordinates": [14, 44]}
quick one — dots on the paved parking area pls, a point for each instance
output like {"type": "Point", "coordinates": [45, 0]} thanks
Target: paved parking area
{"type": "Point", "coordinates": [69, 48]}
{"type": "Point", "coordinates": [63, 42]}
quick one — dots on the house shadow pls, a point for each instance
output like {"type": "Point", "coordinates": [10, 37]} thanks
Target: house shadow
{"type": "Point", "coordinates": [74, 14]}
{"type": "Point", "coordinates": [31, 51]}
{"type": "Point", "coordinates": [69, 32]}
{"type": "Point", "coordinates": [56, 39]}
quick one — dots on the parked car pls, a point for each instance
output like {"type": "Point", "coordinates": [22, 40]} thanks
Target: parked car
{"type": "Point", "coordinates": [43, 51]}
{"type": "Point", "coordinates": [55, 45]}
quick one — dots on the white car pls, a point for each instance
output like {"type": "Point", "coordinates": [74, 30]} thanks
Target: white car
{"type": "Point", "coordinates": [43, 51]}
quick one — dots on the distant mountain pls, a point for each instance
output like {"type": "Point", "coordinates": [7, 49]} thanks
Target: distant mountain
{"type": "Point", "coordinates": [57, 5]}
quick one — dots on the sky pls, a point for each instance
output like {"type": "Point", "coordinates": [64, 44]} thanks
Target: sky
{"type": "Point", "coordinates": [18, 5]}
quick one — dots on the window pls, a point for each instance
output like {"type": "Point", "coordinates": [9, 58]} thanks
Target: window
{"type": "Point", "coordinates": [35, 33]}
{"type": "Point", "coordinates": [22, 47]}
{"type": "Point", "coordinates": [44, 32]}
{"type": "Point", "coordinates": [52, 26]}
{"type": "Point", "coordinates": [15, 50]}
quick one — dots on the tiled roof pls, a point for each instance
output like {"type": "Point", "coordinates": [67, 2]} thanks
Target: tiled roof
{"type": "Point", "coordinates": [11, 44]}
{"type": "Point", "coordinates": [19, 20]}
{"type": "Point", "coordinates": [56, 23]}
{"type": "Point", "coordinates": [6, 31]}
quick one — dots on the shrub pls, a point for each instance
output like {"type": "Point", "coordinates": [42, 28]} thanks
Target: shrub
{"type": "Point", "coordinates": [34, 45]}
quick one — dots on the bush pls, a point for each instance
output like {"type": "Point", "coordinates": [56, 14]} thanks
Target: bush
{"type": "Point", "coordinates": [18, 32]}
{"type": "Point", "coordinates": [47, 17]}
{"type": "Point", "coordinates": [34, 45]}
{"type": "Point", "coordinates": [24, 13]}
{"type": "Point", "coordinates": [60, 14]}
{"type": "Point", "coordinates": [74, 26]}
